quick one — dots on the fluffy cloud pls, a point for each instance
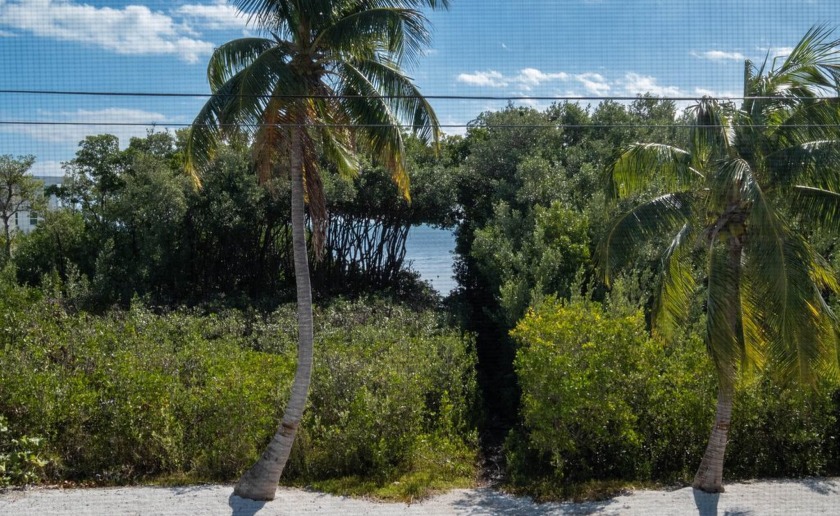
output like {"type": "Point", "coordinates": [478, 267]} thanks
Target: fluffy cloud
{"type": "Point", "coordinates": [594, 83]}
{"type": "Point", "coordinates": [134, 29]}
{"type": "Point", "coordinates": [526, 79]}
{"type": "Point", "coordinates": [637, 84]}
{"type": "Point", "coordinates": [492, 78]}
{"type": "Point", "coordinates": [216, 16]}
{"type": "Point", "coordinates": [534, 77]}
{"type": "Point", "coordinates": [720, 55]}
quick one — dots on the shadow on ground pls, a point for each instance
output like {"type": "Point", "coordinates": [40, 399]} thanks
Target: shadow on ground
{"type": "Point", "coordinates": [489, 501]}
{"type": "Point", "coordinates": [243, 506]}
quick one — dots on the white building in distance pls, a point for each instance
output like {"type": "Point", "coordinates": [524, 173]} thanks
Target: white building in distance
{"type": "Point", "coordinates": [25, 221]}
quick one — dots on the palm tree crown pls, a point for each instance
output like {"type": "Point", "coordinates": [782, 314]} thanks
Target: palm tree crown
{"type": "Point", "coordinates": [748, 187]}
{"type": "Point", "coordinates": [333, 67]}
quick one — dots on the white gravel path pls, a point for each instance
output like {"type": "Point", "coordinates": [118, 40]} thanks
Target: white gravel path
{"type": "Point", "coordinates": [783, 497]}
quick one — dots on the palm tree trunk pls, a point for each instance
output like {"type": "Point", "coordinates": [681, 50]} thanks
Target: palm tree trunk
{"type": "Point", "coordinates": [260, 482]}
{"type": "Point", "coordinates": [709, 477]}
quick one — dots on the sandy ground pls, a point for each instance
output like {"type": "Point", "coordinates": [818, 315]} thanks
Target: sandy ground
{"type": "Point", "coordinates": [784, 497]}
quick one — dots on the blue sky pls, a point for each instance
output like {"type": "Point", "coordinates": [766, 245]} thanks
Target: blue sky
{"type": "Point", "coordinates": [596, 48]}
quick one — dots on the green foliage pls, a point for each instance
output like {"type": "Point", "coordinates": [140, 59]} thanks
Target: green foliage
{"type": "Point", "coordinates": [543, 261]}
{"type": "Point", "coordinates": [19, 192]}
{"type": "Point", "coordinates": [137, 395]}
{"type": "Point", "coordinates": [788, 431]}
{"type": "Point", "coordinates": [20, 459]}
{"type": "Point", "coordinates": [134, 224]}
{"type": "Point", "coordinates": [529, 185]}
{"type": "Point", "coordinates": [392, 394]}
{"type": "Point", "coordinates": [583, 374]}
{"type": "Point", "coordinates": [602, 401]}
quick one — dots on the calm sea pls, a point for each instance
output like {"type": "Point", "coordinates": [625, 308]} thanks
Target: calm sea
{"type": "Point", "coordinates": [429, 252]}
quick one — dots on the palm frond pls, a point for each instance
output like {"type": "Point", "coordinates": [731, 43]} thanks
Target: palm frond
{"type": "Point", "coordinates": [710, 133]}
{"type": "Point", "coordinates": [657, 217]}
{"type": "Point", "coordinates": [816, 163]}
{"type": "Point", "coordinates": [404, 98]}
{"type": "Point", "coordinates": [270, 145]}
{"type": "Point", "coordinates": [724, 316]}
{"type": "Point", "coordinates": [784, 297]}
{"type": "Point", "coordinates": [812, 67]}
{"type": "Point", "coordinates": [817, 206]}
{"type": "Point", "coordinates": [276, 15]}
{"type": "Point", "coordinates": [206, 131]}
{"type": "Point", "coordinates": [364, 34]}
{"type": "Point", "coordinates": [230, 58]}
{"type": "Point", "coordinates": [731, 188]}
{"type": "Point", "coordinates": [378, 126]}
{"type": "Point", "coordinates": [334, 130]}
{"type": "Point", "coordinates": [314, 196]}
{"type": "Point", "coordinates": [677, 284]}
{"type": "Point", "coordinates": [241, 102]}
{"type": "Point", "coordinates": [643, 163]}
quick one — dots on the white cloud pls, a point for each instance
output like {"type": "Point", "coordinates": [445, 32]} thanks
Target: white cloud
{"type": "Point", "coordinates": [99, 120]}
{"type": "Point", "coordinates": [778, 51]}
{"type": "Point", "coordinates": [219, 15]}
{"type": "Point", "coordinates": [534, 77]}
{"type": "Point", "coordinates": [492, 78]}
{"type": "Point", "coordinates": [527, 78]}
{"type": "Point", "coordinates": [594, 83]}
{"type": "Point", "coordinates": [720, 55]}
{"type": "Point", "coordinates": [636, 84]}
{"type": "Point", "coordinates": [134, 29]}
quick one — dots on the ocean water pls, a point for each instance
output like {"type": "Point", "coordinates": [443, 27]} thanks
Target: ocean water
{"type": "Point", "coordinates": [429, 251]}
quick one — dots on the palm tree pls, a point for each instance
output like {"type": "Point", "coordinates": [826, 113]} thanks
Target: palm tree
{"type": "Point", "coordinates": [749, 183]}
{"type": "Point", "coordinates": [326, 79]}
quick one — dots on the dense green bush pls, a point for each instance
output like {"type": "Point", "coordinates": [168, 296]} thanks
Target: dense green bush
{"type": "Point", "coordinates": [20, 460]}
{"type": "Point", "coordinates": [134, 394]}
{"type": "Point", "coordinates": [602, 400]}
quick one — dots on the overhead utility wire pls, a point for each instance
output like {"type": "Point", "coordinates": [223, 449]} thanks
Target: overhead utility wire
{"type": "Point", "coordinates": [404, 126]}
{"type": "Point", "coordinates": [394, 97]}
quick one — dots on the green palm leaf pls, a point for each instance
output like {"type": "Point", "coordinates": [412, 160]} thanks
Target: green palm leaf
{"type": "Point", "coordinates": [402, 32]}
{"type": "Point", "coordinates": [642, 164]}
{"type": "Point", "coordinates": [785, 299]}
{"type": "Point", "coordinates": [660, 216]}
{"type": "Point", "coordinates": [724, 324]}
{"type": "Point", "coordinates": [677, 286]}
{"type": "Point", "coordinates": [817, 206]}
{"type": "Point", "coordinates": [232, 57]}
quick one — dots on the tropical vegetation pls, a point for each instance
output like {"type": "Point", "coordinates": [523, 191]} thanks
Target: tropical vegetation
{"type": "Point", "coordinates": [751, 181]}
{"type": "Point", "coordinates": [149, 329]}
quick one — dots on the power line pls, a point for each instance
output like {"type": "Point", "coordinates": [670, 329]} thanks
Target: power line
{"type": "Point", "coordinates": [403, 126]}
{"type": "Point", "coordinates": [568, 98]}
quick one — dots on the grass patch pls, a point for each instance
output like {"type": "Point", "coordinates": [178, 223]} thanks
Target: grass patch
{"type": "Point", "coordinates": [408, 488]}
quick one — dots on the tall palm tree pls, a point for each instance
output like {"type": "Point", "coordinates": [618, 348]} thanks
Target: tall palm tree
{"type": "Point", "coordinates": [750, 180]}
{"type": "Point", "coordinates": [326, 78]}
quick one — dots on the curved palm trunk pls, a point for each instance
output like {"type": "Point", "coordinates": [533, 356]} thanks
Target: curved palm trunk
{"type": "Point", "coordinates": [709, 477]}
{"type": "Point", "coordinates": [260, 482]}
